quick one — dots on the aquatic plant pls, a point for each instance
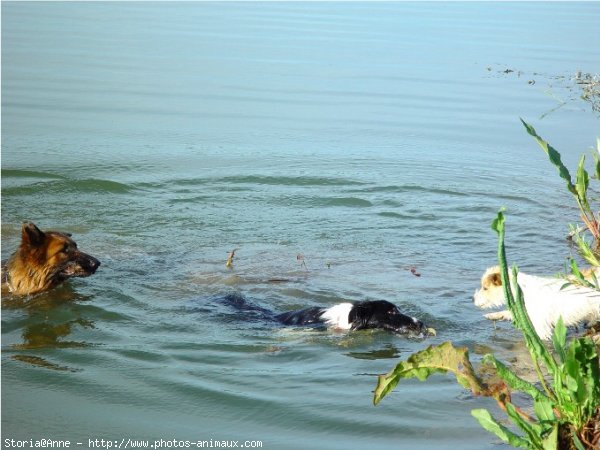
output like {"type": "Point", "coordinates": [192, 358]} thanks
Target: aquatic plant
{"type": "Point", "coordinates": [566, 403]}
{"type": "Point", "coordinates": [590, 88]}
{"type": "Point", "coordinates": [230, 256]}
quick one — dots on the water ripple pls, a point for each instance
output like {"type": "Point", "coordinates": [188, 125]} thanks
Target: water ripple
{"type": "Point", "coordinates": [91, 185]}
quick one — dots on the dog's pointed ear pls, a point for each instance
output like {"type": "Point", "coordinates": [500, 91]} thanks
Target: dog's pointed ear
{"type": "Point", "coordinates": [496, 279]}
{"type": "Point", "coordinates": [32, 235]}
{"type": "Point", "coordinates": [358, 317]}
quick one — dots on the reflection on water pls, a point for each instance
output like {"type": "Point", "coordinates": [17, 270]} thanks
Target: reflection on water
{"type": "Point", "coordinates": [43, 325]}
{"type": "Point", "coordinates": [388, 352]}
{"type": "Point", "coordinates": [61, 295]}
{"type": "Point", "coordinates": [41, 362]}
{"type": "Point", "coordinates": [45, 335]}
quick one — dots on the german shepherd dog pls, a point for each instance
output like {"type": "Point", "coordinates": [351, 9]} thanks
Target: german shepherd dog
{"type": "Point", "coordinates": [44, 260]}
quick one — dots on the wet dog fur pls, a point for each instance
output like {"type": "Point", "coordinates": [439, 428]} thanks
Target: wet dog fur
{"type": "Point", "coordinates": [368, 314]}
{"type": "Point", "coordinates": [546, 299]}
{"type": "Point", "coordinates": [44, 260]}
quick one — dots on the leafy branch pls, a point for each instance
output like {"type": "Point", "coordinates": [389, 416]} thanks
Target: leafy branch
{"type": "Point", "coordinates": [579, 188]}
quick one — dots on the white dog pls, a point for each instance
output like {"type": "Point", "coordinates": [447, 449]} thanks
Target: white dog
{"type": "Point", "coordinates": [545, 301]}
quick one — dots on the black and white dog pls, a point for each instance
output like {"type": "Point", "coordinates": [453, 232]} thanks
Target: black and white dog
{"type": "Point", "coordinates": [369, 314]}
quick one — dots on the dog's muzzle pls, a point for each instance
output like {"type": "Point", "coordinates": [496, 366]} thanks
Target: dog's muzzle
{"type": "Point", "coordinates": [92, 264]}
{"type": "Point", "coordinates": [411, 326]}
{"type": "Point", "coordinates": [83, 265]}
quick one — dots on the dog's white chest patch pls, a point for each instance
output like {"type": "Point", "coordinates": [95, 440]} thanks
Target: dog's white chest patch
{"type": "Point", "coordinates": [337, 316]}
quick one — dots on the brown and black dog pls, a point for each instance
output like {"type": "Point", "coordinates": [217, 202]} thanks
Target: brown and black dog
{"type": "Point", "coordinates": [43, 261]}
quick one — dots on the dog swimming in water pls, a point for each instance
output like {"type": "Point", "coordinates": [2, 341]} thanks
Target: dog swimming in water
{"type": "Point", "coordinates": [546, 299]}
{"type": "Point", "coordinates": [364, 315]}
{"type": "Point", "coordinates": [44, 260]}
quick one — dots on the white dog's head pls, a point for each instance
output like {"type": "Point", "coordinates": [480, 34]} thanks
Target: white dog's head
{"type": "Point", "coordinates": [491, 293]}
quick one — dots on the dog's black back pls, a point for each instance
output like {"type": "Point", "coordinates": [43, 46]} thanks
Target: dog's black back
{"type": "Point", "coordinates": [302, 317]}
{"type": "Point", "coordinates": [369, 314]}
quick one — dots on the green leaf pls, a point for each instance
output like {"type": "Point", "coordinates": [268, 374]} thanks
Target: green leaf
{"type": "Point", "coordinates": [532, 430]}
{"type": "Point", "coordinates": [559, 339]}
{"type": "Point", "coordinates": [544, 409]}
{"type": "Point", "coordinates": [434, 359]}
{"type": "Point", "coordinates": [534, 344]}
{"type": "Point", "coordinates": [588, 253]}
{"type": "Point", "coordinates": [486, 420]}
{"type": "Point", "coordinates": [583, 367]}
{"type": "Point", "coordinates": [498, 222]}
{"type": "Point", "coordinates": [577, 442]}
{"type": "Point", "coordinates": [550, 441]}
{"type": "Point", "coordinates": [597, 159]}
{"type": "Point", "coordinates": [516, 305]}
{"type": "Point", "coordinates": [512, 380]}
{"type": "Point", "coordinates": [578, 383]}
{"type": "Point", "coordinates": [582, 182]}
{"type": "Point", "coordinates": [571, 383]}
{"type": "Point", "coordinates": [585, 249]}
{"type": "Point", "coordinates": [554, 157]}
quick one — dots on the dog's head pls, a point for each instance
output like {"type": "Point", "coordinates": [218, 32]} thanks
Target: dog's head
{"type": "Point", "coordinates": [491, 293]}
{"type": "Point", "coordinates": [45, 259]}
{"type": "Point", "coordinates": [384, 315]}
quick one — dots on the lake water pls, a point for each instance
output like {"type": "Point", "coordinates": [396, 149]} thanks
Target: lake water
{"type": "Point", "coordinates": [336, 146]}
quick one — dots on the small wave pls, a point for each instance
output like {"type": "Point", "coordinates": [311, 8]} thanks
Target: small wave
{"type": "Point", "coordinates": [351, 202]}
{"type": "Point", "coordinates": [259, 180]}
{"type": "Point", "coordinates": [196, 199]}
{"type": "Point", "coordinates": [96, 185]}
{"type": "Point", "coordinates": [16, 173]}
{"type": "Point", "coordinates": [289, 181]}
{"type": "Point", "coordinates": [398, 189]}
{"type": "Point", "coordinates": [66, 185]}
{"type": "Point", "coordinates": [180, 182]}
{"type": "Point", "coordinates": [520, 198]}
{"type": "Point", "coordinates": [417, 216]}
{"type": "Point", "coordinates": [319, 202]}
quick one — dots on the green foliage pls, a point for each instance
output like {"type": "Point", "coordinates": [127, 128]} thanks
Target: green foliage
{"type": "Point", "coordinates": [580, 187]}
{"type": "Point", "coordinates": [580, 190]}
{"type": "Point", "coordinates": [554, 157]}
{"type": "Point", "coordinates": [587, 250]}
{"type": "Point", "coordinates": [587, 279]}
{"type": "Point", "coordinates": [597, 160]}
{"type": "Point", "coordinates": [434, 359]}
{"type": "Point", "coordinates": [516, 305]}
{"type": "Point", "coordinates": [568, 401]}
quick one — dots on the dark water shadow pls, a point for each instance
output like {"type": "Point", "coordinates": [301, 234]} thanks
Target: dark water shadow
{"type": "Point", "coordinates": [46, 324]}
{"type": "Point", "coordinates": [41, 362]}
